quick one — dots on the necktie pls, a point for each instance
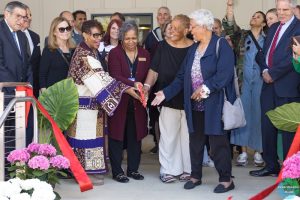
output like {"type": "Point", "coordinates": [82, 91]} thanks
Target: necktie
{"type": "Point", "coordinates": [273, 46]}
{"type": "Point", "coordinates": [15, 38]}
{"type": "Point", "coordinates": [28, 48]}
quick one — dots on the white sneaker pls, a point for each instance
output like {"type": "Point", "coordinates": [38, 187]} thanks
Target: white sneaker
{"type": "Point", "coordinates": [258, 160]}
{"type": "Point", "coordinates": [242, 159]}
{"type": "Point", "coordinates": [208, 163]}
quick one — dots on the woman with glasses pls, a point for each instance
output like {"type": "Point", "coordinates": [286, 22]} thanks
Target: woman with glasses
{"type": "Point", "coordinates": [129, 64]}
{"type": "Point", "coordinates": [98, 94]}
{"type": "Point", "coordinates": [56, 56]}
{"type": "Point", "coordinates": [246, 44]}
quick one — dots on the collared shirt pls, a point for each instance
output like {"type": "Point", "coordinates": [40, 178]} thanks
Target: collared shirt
{"type": "Point", "coordinates": [283, 29]}
{"type": "Point", "coordinates": [29, 40]}
{"type": "Point", "coordinates": [11, 30]}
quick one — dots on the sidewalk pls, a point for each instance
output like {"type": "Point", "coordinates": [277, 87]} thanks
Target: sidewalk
{"type": "Point", "coordinates": [152, 188]}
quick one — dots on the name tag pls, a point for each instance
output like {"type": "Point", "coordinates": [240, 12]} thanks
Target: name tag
{"type": "Point", "coordinates": [132, 79]}
{"type": "Point", "coordinates": [142, 59]}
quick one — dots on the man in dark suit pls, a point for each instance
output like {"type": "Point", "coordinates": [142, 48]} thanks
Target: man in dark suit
{"type": "Point", "coordinates": [280, 83]}
{"type": "Point", "coordinates": [33, 51]}
{"type": "Point", "coordinates": [14, 64]}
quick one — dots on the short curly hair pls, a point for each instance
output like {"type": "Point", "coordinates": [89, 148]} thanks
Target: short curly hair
{"type": "Point", "coordinates": [89, 24]}
{"type": "Point", "coordinates": [203, 17]}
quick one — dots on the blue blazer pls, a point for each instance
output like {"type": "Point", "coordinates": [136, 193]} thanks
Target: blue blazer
{"type": "Point", "coordinates": [286, 80]}
{"type": "Point", "coordinates": [14, 67]}
{"type": "Point", "coordinates": [218, 73]}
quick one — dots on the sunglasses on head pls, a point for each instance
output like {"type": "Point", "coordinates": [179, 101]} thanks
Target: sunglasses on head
{"type": "Point", "coordinates": [65, 29]}
{"type": "Point", "coordinates": [96, 35]}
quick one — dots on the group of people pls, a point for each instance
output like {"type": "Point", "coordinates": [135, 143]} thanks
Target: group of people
{"type": "Point", "coordinates": [185, 68]}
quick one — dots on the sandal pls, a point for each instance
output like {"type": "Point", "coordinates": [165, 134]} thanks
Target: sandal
{"type": "Point", "coordinates": [167, 178]}
{"type": "Point", "coordinates": [184, 177]}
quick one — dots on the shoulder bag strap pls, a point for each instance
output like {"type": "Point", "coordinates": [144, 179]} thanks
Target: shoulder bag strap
{"type": "Point", "coordinates": [255, 41]}
{"type": "Point", "coordinates": [62, 54]}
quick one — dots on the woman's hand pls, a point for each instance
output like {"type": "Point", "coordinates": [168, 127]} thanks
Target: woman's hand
{"type": "Point", "coordinates": [131, 92]}
{"type": "Point", "coordinates": [160, 96]}
{"type": "Point", "coordinates": [201, 92]}
{"type": "Point", "coordinates": [197, 94]}
{"type": "Point", "coordinates": [296, 49]}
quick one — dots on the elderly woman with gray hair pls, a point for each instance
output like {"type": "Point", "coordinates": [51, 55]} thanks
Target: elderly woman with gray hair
{"type": "Point", "coordinates": [206, 73]}
{"type": "Point", "coordinates": [129, 64]}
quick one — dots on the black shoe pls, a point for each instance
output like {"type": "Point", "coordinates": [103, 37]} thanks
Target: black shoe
{"type": "Point", "coordinates": [190, 184]}
{"type": "Point", "coordinates": [264, 172]}
{"type": "Point", "coordinates": [221, 188]}
{"type": "Point", "coordinates": [135, 175]}
{"type": "Point", "coordinates": [121, 178]}
{"type": "Point", "coordinates": [154, 149]}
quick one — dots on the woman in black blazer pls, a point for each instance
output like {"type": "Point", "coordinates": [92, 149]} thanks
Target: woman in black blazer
{"type": "Point", "coordinates": [55, 61]}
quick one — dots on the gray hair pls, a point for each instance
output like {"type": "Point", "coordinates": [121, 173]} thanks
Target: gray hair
{"type": "Point", "coordinates": [293, 3]}
{"type": "Point", "coordinates": [164, 8]}
{"type": "Point", "coordinates": [203, 17]}
{"type": "Point", "coordinates": [127, 26]}
{"type": "Point", "coordinates": [15, 4]}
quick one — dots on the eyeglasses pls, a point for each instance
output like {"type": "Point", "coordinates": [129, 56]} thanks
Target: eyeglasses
{"type": "Point", "coordinates": [64, 29]}
{"type": "Point", "coordinates": [19, 17]}
{"type": "Point", "coordinates": [96, 35]}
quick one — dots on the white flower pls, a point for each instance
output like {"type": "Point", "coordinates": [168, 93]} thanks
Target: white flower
{"type": "Point", "coordinates": [22, 196]}
{"type": "Point", "coordinates": [3, 198]}
{"type": "Point", "coordinates": [8, 189]}
{"type": "Point", "coordinates": [204, 92]}
{"type": "Point", "coordinates": [44, 186]}
{"type": "Point", "coordinates": [42, 195]}
{"type": "Point", "coordinates": [30, 183]}
{"type": "Point", "coordinates": [43, 191]}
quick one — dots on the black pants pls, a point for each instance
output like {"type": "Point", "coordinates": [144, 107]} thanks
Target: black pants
{"type": "Point", "coordinates": [219, 150]}
{"type": "Point", "coordinates": [269, 101]}
{"type": "Point", "coordinates": [132, 145]}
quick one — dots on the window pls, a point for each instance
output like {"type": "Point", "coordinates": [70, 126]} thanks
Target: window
{"type": "Point", "coordinates": [143, 20]}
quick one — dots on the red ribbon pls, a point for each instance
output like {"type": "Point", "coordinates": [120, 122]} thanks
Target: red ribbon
{"type": "Point", "coordinates": [295, 147]}
{"type": "Point", "coordinates": [79, 173]}
{"type": "Point", "coordinates": [143, 99]}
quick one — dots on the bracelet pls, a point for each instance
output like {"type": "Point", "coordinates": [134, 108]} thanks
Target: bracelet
{"type": "Point", "coordinates": [147, 85]}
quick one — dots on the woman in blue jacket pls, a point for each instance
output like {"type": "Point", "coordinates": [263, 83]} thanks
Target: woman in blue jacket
{"type": "Point", "coordinates": [204, 75]}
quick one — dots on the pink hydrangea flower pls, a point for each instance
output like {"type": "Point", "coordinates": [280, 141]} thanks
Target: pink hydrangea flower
{"type": "Point", "coordinates": [42, 149]}
{"type": "Point", "coordinates": [33, 147]}
{"type": "Point", "coordinates": [291, 167]}
{"type": "Point", "coordinates": [39, 162]}
{"type": "Point", "coordinates": [19, 155]}
{"type": "Point", "coordinates": [60, 162]}
{"type": "Point", "coordinates": [47, 150]}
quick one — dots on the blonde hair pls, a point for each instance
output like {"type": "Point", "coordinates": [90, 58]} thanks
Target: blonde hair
{"type": "Point", "coordinates": [184, 19]}
{"type": "Point", "coordinates": [52, 42]}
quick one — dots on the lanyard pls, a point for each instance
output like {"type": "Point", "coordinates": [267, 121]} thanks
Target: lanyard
{"type": "Point", "coordinates": [130, 64]}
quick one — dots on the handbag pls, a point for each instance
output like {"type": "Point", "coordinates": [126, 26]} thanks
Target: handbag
{"type": "Point", "coordinates": [233, 115]}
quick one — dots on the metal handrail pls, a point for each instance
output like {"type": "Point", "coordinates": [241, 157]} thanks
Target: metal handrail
{"type": "Point", "coordinates": [14, 84]}
{"type": "Point", "coordinates": [11, 105]}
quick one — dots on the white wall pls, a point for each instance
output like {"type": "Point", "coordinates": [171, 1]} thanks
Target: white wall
{"type": "Point", "coordinates": [44, 11]}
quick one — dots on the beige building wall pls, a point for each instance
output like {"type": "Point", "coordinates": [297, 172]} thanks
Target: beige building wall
{"type": "Point", "coordinates": [45, 10]}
